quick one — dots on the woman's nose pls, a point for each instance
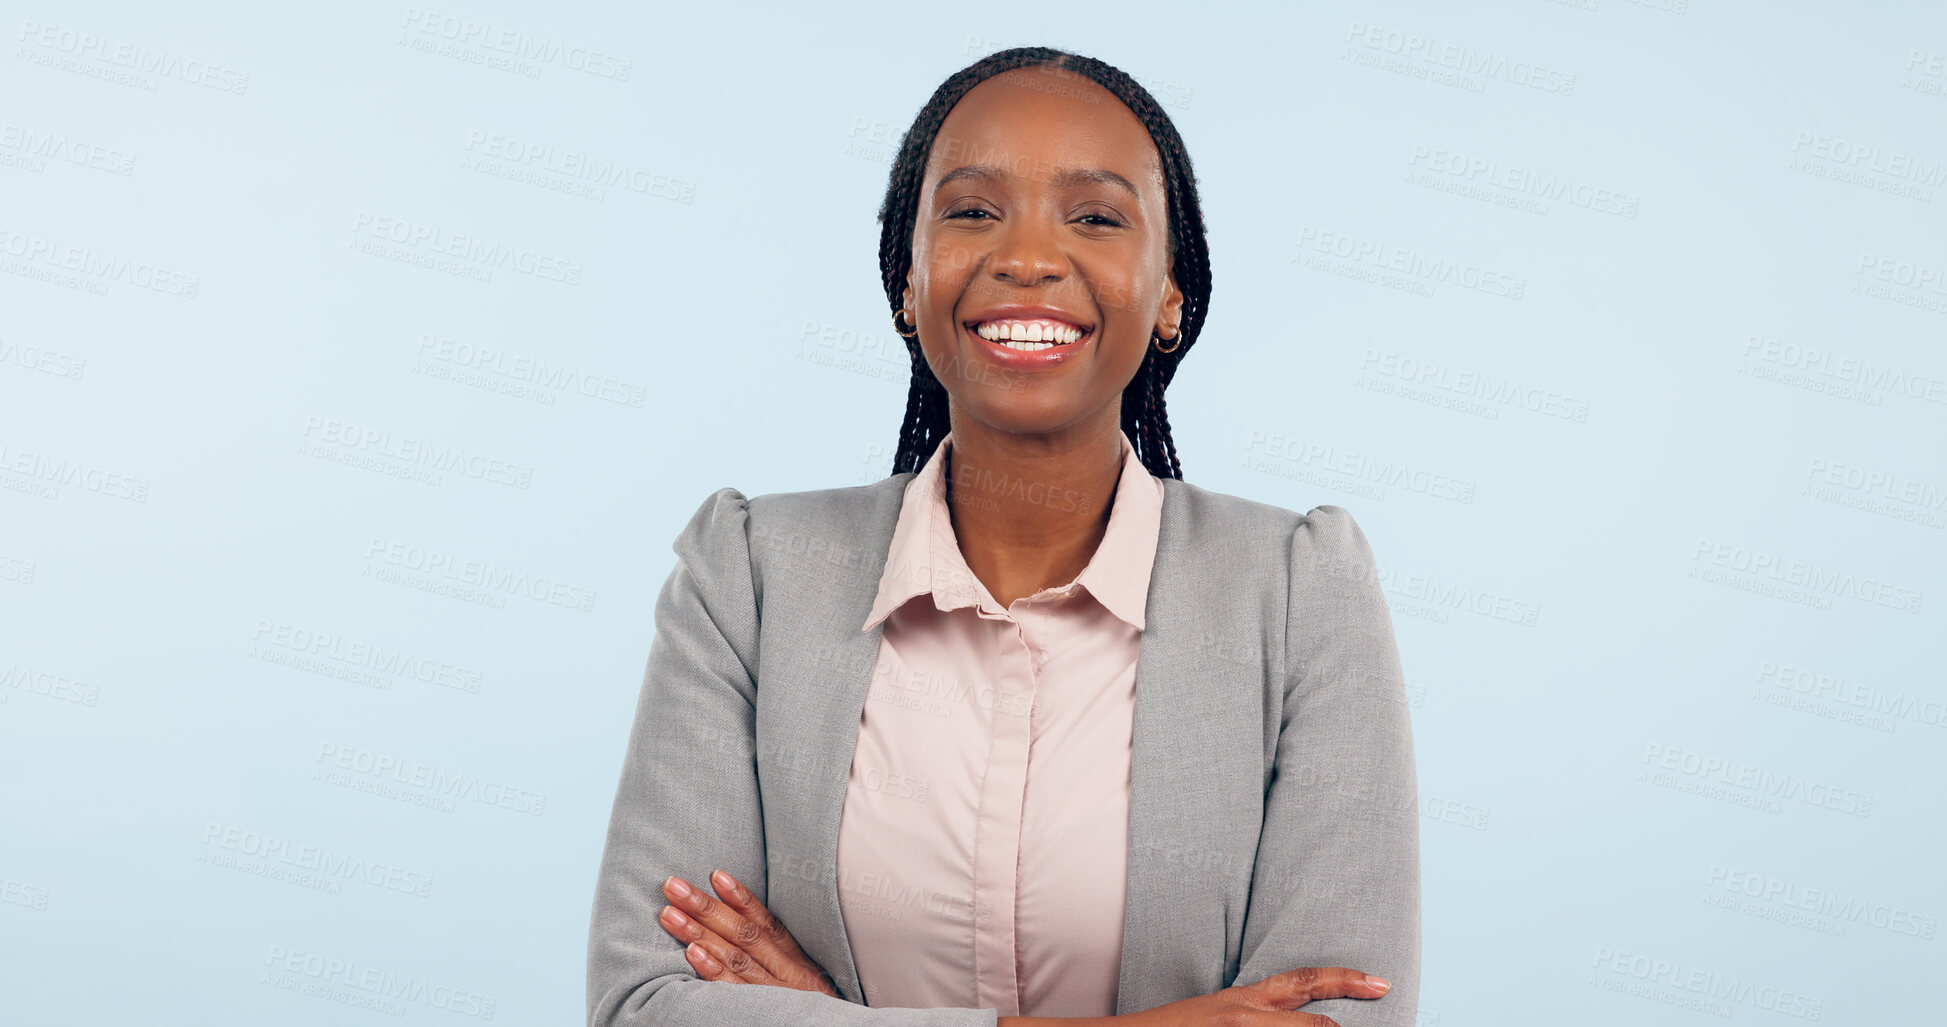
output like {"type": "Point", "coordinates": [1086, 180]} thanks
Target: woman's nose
{"type": "Point", "coordinates": [1027, 253]}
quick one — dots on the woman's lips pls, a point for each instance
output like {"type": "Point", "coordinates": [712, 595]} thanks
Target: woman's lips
{"type": "Point", "coordinates": [1028, 359]}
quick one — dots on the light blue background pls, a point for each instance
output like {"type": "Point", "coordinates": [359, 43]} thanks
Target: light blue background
{"type": "Point", "coordinates": [164, 521]}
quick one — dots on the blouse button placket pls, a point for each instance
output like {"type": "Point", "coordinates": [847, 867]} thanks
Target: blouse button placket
{"type": "Point", "coordinates": [997, 837]}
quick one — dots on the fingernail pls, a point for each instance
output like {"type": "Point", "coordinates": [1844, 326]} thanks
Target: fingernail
{"type": "Point", "coordinates": [676, 916]}
{"type": "Point", "coordinates": [1378, 983]}
{"type": "Point", "coordinates": [702, 955]}
{"type": "Point", "coordinates": [724, 882]}
{"type": "Point", "coordinates": [677, 887]}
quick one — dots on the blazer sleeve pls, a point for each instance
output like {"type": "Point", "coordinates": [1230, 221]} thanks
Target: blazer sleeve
{"type": "Point", "coordinates": [1336, 881]}
{"type": "Point", "coordinates": [688, 803]}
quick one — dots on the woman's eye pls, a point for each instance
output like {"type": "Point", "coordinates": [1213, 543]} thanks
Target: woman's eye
{"type": "Point", "coordinates": [980, 214]}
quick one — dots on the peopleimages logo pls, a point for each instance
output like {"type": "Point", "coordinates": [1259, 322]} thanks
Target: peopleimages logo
{"type": "Point", "coordinates": [1712, 559]}
{"type": "Point", "coordinates": [1437, 595]}
{"type": "Point", "coordinates": [1823, 902]}
{"type": "Point", "coordinates": [1506, 392]}
{"type": "Point", "coordinates": [1911, 274]}
{"type": "Point", "coordinates": [1759, 781]}
{"type": "Point", "coordinates": [367, 986]}
{"type": "Point", "coordinates": [338, 653]}
{"type": "Point", "coordinates": [1872, 699]}
{"type": "Point", "coordinates": [480, 574]}
{"type": "Point", "coordinates": [1835, 373]}
{"type": "Point", "coordinates": [1708, 990]}
{"type": "Point", "coordinates": [123, 62]}
{"type": "Point", "coordinates": [1459, 59]}
{"type": "Point", "coordinates": [1879, 483]}
{"type": "Point", "coordinates": [580, 167]}
{"type": "Point", "coordinates": [1525, 181]}
{"type": "Point", "coordinates": [452, 252]}
{"type": "Point", "coordinates": [1361, 466]}
{"type": "Point", "coordinates": [1891, 163]}
{"type": "Point", "coordinates": [93, 268]}
{"type": "Point", "coordinates": [518, 43]}
{"type": "Point", "coordinates": [40, 471]}
{"type": "Point", "coordinates": [436, 780]}
{"type": "Point", "coordinates": [36, 147]}
{"type": "Point", "coordinates": [416, 452]}
{"type": "Point", "coordinates": [322, 860]}
{"type": "Point", "coordinates": [1415, 267]}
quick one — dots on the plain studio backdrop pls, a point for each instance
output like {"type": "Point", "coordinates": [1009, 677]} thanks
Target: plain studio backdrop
{"type": "Point", "coordinates": [359, 364]}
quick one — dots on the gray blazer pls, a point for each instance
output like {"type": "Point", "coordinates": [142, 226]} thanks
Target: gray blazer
{"type": "Point", "coordinates": [1273, 818]}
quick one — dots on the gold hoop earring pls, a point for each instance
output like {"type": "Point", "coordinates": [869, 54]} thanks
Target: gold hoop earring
{"type": "Point", "coordinates": [1176, 339]}
{"type": "Point", "coordinates": [897, 316]}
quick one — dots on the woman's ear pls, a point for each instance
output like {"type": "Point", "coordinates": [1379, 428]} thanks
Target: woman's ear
{"type": "Point", "coordinates": [1169, 318]}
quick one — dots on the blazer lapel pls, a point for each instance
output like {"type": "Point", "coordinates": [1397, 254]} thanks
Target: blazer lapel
{"type": "Point", "coordinates": [817, 667]}
{"type": "Point", "coordinates": [1195, 697]}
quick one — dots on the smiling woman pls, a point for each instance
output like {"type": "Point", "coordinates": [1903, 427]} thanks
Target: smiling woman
{"type": "Point", "coordinates": [1026, 178]}
{"type": "Point", "coordinates": [1032, 730]}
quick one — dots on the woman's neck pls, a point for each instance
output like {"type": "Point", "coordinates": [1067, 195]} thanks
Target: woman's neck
{"type": "Point", "coordinates": [1029, 510]}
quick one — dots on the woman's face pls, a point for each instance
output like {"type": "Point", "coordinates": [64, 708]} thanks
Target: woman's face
{"type": "Point", "coordinates": [1042, 191]}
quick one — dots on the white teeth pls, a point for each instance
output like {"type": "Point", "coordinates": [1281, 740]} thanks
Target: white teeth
{"type": "Point", "coordinates": [1029, 334]}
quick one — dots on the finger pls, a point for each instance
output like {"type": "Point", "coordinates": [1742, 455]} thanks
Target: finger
{"type": "Point", "coordinates": [734, 894]}
{"type": "Point", "coordinates": [692, 937]}
{"type": "Point", "coordinates": [720, 960]}
{"type": "Point", "coordinates": [739, 943]}
{"type": "Point", "coordinates": [726, 952]}
{"type": "Point", "coordinates": [708, 968]}
{"type": "Point", "coordinates": [766, 939]}
{"type": "Point", "coordinates": [1294, 988]}
{"type": "Point", "coordinates": [1253, 1016]}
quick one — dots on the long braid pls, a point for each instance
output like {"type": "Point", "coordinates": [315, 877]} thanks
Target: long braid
{"type": "Point", "coordinates": [926, 411]}
{"type": "Point", "coordinates": [1159, 418]}
{"type": "Point", "coordinates": [1144, 418]}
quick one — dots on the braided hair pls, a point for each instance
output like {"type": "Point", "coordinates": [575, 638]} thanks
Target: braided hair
{"type": "Point", "coordinates": [1144, 418]}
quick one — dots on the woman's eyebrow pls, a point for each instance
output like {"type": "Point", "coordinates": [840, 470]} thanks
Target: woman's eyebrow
{"type": "Point", "coordinates": [1061, 177]}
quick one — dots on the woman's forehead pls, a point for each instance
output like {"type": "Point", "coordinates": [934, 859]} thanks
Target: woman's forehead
{"type": "Point", "coordinates": [1039, 121]}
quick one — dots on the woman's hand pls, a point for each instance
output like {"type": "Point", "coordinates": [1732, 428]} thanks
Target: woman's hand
{"type": "Point", "coordinates": [734, 938]}
{"type": "Point", "coordinates": [1268, 1002]}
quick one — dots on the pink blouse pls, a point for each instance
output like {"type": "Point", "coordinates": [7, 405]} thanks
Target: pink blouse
{"type": "Point", "coordinates": [983, 849]}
